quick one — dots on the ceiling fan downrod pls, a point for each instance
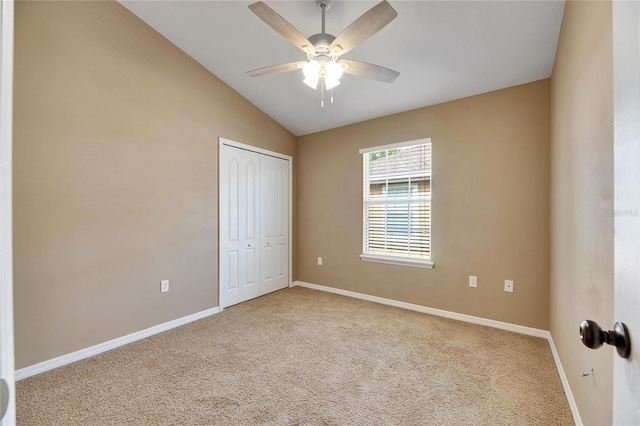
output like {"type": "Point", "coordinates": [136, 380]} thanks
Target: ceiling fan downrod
{"type": "Point", "coordinates": [324, 6]}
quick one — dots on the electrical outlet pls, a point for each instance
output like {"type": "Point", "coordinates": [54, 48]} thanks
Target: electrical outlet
{"type": "Point", "coordinates": [164, 286]}
{"type": "Point", "coordinates": [319, 261]}
{"type": "Point", "coordinates": [508, 286]}
{"type": "Point", "coordinates": [473, 281]}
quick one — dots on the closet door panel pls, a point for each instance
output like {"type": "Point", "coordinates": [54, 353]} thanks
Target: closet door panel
{"type": "Point", "coordinates": [239, 219]}
{"type": "Point", "coordinates": [274, 224]}
{"type": "Point", "coordinates": [249, 232]}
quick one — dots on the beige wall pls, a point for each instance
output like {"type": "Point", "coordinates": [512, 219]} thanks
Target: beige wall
{"type": "Point", "coordinates": [115, 174]}
{"type": "Point", "coordinates": [582, 200]}
{"type": "Point", "coordinates": [490, 206]}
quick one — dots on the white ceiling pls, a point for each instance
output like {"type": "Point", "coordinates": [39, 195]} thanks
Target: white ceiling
{"type": "Point", "coordinates": [444, 50]}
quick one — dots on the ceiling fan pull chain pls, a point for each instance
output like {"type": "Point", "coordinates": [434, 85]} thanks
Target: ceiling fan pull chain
{"type": "Point", "coordinates": [331, 95]}
{"type": "Point", "coordinates": [322, 91]}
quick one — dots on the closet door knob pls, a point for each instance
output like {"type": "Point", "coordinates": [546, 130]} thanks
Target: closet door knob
{"type": "Point", "coordinates": [593, 336]}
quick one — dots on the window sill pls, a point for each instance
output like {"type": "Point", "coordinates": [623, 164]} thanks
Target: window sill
{"type": "Point", "coordinates": [395, 260]}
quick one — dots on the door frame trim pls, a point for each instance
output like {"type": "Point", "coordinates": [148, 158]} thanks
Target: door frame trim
{"type": "Point", "coordinates": [239, 145]}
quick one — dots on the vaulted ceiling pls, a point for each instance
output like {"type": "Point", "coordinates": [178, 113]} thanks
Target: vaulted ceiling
{"type": "Point", "coordinates": [444, 50]}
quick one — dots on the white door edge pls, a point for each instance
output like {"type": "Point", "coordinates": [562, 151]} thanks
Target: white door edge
{"type": "Point", "coordinates": [626, 131]}
{"type": "Point", "coordinates": [7, 363]}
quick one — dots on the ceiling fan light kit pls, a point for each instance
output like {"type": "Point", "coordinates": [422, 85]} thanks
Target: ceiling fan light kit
{"type": "Point", "coordinates": [323, 50]}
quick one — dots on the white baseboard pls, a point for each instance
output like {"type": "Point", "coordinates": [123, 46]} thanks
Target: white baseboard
{"type": "Point", "coordinates": [565, 383]}
{"type": "Point", "coordinates": [41, 367]}
{"type": "Point", "coordinates": [544, 334]}
{"type": "Point", "coordinates": [432, 311]}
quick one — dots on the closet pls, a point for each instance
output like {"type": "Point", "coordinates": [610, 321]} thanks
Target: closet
{"type": "Point", "coordinates": [255, 210]}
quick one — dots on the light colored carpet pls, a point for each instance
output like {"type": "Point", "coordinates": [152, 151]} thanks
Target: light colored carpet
{"type": "Point", "coordinates": [300, 356]}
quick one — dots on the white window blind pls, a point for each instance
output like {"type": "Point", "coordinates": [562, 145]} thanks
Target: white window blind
{"type": "Point", "coordinates": [397, 202]}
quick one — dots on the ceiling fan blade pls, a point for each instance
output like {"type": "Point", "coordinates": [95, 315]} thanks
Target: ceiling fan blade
{"type": "Point", "coordinates": [370, 71]}
{"type": "Point", "coordinates": [364, 27]}
{"type": "Point", "coordinates": [275, 69]}
{"type": "Point", "coordinates": [282, 26]}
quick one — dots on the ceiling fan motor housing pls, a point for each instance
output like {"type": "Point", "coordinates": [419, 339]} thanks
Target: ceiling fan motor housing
{"type": "Point", "coordinates": [322, 42]}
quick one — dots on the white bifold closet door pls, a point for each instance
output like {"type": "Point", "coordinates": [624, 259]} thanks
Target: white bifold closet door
{"type": "Point", "coordinates": [254, 224]}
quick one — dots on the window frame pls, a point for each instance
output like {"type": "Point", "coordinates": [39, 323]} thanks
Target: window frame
{"type": "Point", "coordinates": [388, 258]}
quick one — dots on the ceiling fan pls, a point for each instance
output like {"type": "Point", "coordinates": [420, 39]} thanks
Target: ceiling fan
{"type": "Point", "coordinates": [324, 50]}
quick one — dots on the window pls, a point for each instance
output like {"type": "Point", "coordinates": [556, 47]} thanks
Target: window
{"type": "Point", "coordinates": [397, 204]}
